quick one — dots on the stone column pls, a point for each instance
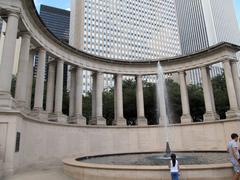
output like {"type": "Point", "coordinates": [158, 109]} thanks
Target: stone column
{"type": "Point", "coordinates": [93, 120]}
{"type": "Point", "coordinates": [7, 62]}
{"type": "Point", "coordinates": [99, 99]}
{"type": "Point", "coordinates": [72, 97]}
{"type": "Point", "coordinates": [30, 80]}
{"type": "Point", "coordinates": [99, 119]}
{"type": "Point", "coordinates": [210, 114]}
{"type": "Point", "coordinates": [50, 86]}
{"type": "Point", "coordinates": [236, 80]}
{"type": "Point", "coordinates": [59, 88]}
{"type": "Point", "coordinates": [39, 88]}
{"type": "Point", "coordinates": [79, 80]}
{"type": "Point", "coordinates": [22, 74]}
{"type": "Point", "coordinates": [186, 116]}
{"type": "Point", "coordinates": [60, 117]}
{"type": "Point", "coordinates": [141, 120]}
{"type": "Point", "coordinates": [118, 102]}
{"type": "Point", "coordinates": [212, 95]}
{"type": "Point", "coordinates": [234, 111]}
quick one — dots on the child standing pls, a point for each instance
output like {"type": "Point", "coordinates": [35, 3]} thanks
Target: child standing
{"type": "Point", "coordinates": [174, 167]}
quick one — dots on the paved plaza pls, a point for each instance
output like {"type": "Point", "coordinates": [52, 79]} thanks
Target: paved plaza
{"type": "Point", "coordinates": [40, 174]}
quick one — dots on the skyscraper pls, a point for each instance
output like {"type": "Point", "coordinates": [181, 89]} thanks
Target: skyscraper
{"type": "Point", "coordinates": [126, 30]}
{"type": "Point", "coordinates": [57, 21]}
{"type": "Point", "coordinates": [203, 23]}
{"type": "Point", "coordinates": [130, 30]}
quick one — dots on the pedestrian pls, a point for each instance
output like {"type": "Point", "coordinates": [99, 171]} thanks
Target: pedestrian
{"type": "Point", "coordinates": [232, 149]}
{"type": "Point", "coordinates": [174, 167]}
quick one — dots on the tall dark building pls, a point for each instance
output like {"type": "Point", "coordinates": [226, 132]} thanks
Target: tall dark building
{"type": "Point", "coordinates": [57, 21]}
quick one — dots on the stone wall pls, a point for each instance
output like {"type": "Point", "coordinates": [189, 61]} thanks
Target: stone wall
{"type": "Point", "coordinates": [48, 143]}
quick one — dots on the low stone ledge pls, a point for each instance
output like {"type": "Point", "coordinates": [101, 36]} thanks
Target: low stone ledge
{"type": "Point", "coordinates": [89, 171]}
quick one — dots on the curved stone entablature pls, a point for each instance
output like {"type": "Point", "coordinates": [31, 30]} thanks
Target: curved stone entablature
{"type": "Point", "coordinates": [43, 38]}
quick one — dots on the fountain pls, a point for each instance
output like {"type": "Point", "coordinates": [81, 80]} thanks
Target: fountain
{"type": "Point", "coordinates": [152, 165]}
{"type": "Point", "coordinates": [161, 100]}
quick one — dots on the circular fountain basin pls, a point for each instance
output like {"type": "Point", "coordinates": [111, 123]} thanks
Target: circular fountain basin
{"type": "Point", "coordinates": [149, 166]}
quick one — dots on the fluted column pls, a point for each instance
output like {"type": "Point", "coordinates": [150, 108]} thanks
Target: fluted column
{"type": "Point", "coordinates": [30, 80]}
{"type": "Point", "coordinates": [186, 116]}
{"type": "Point", "coordinates": [93, 120]}
{"type": "Point", "coordinates": [39, 88]}
{"type": "Point", "coordinates": [50, 86]}
{"type": "Point", "coordinates": [7, 62]}
{"type": "Point", "coordinates": [141, 120]}
{"type": "Point", "coordinates": [234, 111]}
{"type": "Point", "coordinates": [236, 80]}
{"type": "Point", "coordinates": [98, 119]}
{"type": "Point", "coordinates": [99, 99]}
{"type": "Point", "coordinates": [59, 88]}
{"type": "Point", "coordinates": [79, 80]}
{"type": "Point", "coordinates": [210, 114]}
{"type": "Point", "coordinates": [21, 84]}
{"type": "Point", "coordinates": [72, 97]}
{"type": "Point", "coordinates": [118, 102]}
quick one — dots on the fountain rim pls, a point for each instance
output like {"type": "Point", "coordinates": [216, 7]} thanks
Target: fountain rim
{"type": "Point", "coordinates": [73, 162]}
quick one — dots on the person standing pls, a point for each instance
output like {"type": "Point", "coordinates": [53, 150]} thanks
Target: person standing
{"type": "Point", "coordinates": [174, 167]}
{"type": "Point", "coordinates": [232, 149]}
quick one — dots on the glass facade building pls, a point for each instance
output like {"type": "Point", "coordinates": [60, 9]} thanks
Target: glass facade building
{"type": "Point", "coordinates": [126, 30]}
{"type": "Point", "coordinates": [131, 29]}
{"type": "Point", "coordinates": [203, 23]}
{"type": "Point", "coordinates": [57, 21]}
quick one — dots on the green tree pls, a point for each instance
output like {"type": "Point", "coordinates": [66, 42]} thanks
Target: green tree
{"type": "Point", "coordinates": [150, 102]}
{"type": "Point", "coordinates": [87, 106]}
{"type": "Point", "coordinates": [220, 95]}
{"type": "Point", "coordinates": [108, 105]}
{"type": "Point", "coordinates": [174, 101]}
{"type": "Point", "coordinates": [129, 101]}
{"type": "Point", "coordinates": [196, 102]}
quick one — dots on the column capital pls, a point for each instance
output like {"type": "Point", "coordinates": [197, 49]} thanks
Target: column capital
{"type": "Point", "coordinates": [208, 68]}
{"type": "Point", "coordinates": [40, 49]}
{"type": "Point", "coordinates": [14, 13]}
{"type": "Point", "coordinates": [225, 60]}
{"type": "Point", "coordinates": [73, 68]}
{"type": "Point", "coordinates": [61, 61]}
{"type": "Point", "coordinates": [234, 61]}
{"type": "Point", "coordinates": [24, 34]}
{"type": "Point", "coordinates": [138, 77]}
{"type": "Point", "coordinates": [183, 72]}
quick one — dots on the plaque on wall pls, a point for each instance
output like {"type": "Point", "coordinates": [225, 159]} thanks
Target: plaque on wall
{"type": "Point", "coordinates": [17, 147]}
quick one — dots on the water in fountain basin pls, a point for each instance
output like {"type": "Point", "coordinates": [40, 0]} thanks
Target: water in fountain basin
{"type": "Point", "coordinates": [161, 95]}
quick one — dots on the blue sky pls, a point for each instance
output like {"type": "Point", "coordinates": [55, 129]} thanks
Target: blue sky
{"type": "Point", "coordinates": [65, 4]}
{"type": "Point", "coordinates": [237, 10]}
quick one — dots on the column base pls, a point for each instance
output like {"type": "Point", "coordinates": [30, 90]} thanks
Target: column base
{"type": "Point", "coordinates": [232, 114]}
{"type": "Point", "coordinates": [21, 105]}
{"type": "Point", "coordinates": [6, 101]}
{"type": "Point", "coordinates": [120, 121]}
{"type": "Point", "coordinates": [59, 117]}
{"type": "Point", "coordinates": [77, 119]}
{"type": "Point", "coordinates": [210, 116]}
{"type": "Point", "coordinates": [141, 121]}
{"type": "Point", "coordinates": [186, 118]}
{"type": "Point", "coordinates": [99, 120]}
{"type": "Point", "coordinates": [162, 122]}
{"type": "Point", "coordinates": [40, 114]}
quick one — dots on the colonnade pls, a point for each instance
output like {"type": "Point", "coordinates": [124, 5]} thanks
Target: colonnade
{"type": "Point", "coordinates": [54, 95]}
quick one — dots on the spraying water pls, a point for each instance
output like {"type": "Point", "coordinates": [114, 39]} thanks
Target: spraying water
{"type": "Point", "coordinates": [161, 95]}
